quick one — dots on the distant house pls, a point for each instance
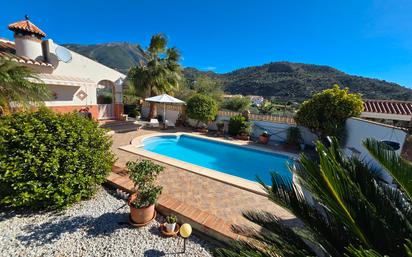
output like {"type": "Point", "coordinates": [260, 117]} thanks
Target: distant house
{"type": "Point", "coordinates": [394, 112]}
{"type": "Point", "coordinates": [256, 99]}
{"type": "Point", "coordinates": [75, 81]}
{"type": "Point", "coordinates": [226, 96]}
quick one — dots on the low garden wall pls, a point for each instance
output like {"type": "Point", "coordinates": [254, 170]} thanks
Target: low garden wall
{"type": "Point", "coordinates": [357, 129]}
{"type": "Point", "coordinates": [276, 126]}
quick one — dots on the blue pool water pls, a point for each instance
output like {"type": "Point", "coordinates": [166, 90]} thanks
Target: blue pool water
{"type": "Point", "coordinates": [231, 159]}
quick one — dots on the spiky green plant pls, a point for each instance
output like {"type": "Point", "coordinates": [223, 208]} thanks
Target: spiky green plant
{"type": "Point", "coordinates": [19, 86]}
{"type": "Point", "coordinates": [398, 168]}
{"type": "Point", "coordinates": [161, 73]}
{"type": "Point", "coordinates": [351, 211]}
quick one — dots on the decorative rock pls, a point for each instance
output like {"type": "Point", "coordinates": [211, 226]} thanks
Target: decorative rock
{"type": "Point", "coordinates": [89, 228]}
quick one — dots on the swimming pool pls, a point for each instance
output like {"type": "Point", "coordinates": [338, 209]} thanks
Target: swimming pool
{"type": "Point", "coordinates": [227, 158]}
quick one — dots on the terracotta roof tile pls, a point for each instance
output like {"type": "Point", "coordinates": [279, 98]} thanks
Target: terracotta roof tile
{"type": "Point", "coordinates": [7, 51]}
{"type": "Point", "coordinates": [21, 59]}
{"type": "Point", "coordinates": [388, 107]}
{"type": "Point", "coordinates": [6, 46]}
{"type": "Point", "coordinates": [27, 26]}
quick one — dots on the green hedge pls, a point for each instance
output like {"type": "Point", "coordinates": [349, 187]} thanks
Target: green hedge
{"type": "Point", "coordinates": [50, 160]}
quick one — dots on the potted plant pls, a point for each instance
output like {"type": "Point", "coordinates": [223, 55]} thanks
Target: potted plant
{"type": "Point", "coordinates": [142, 202]}
{"type": "Point", "coordinates": [235, 125]}
{"type": "Point", "coordinates": [170, 223]}
{"type": "Point", "coordinates": [134, 113]}
{"type": "Point", "coordinates": [264, 137]}
{"type": "Point", "coordinates": [245, 131]}
{"type": "Point", "coordinates": [293, 137]}
{"type": "Point", "coordinates": [220, 126]}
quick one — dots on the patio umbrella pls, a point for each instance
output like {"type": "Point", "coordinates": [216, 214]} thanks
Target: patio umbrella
{"type": "Point", "coordinates": [165, 99]}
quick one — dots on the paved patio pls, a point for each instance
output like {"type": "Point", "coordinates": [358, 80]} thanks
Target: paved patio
{"type": "Point", "coordinates": [208, 195]}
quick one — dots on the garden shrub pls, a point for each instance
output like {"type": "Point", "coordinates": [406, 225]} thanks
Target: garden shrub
{"type": "Point", "coordinates": [134, 113]}
{"type": "Point", "coordinates": [237, 104]}
{"type": "Point", "coordinates": [293, 136]}
{"type": "Point", "coordinates": [326, 112]}
{"type": "Point", "coordinates": [238, 125]}
{"type": "Point", "coordinates": [50, 160]}
{"type": "Point", "coordinates": [202, 108]}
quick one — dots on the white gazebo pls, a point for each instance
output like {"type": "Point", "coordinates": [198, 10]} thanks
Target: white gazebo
{"type": "Point", "coordinates": [165, 99]}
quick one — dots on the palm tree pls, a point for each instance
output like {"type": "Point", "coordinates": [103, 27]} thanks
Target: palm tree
{"type": "Point", "coordinates": [350, 212]}
{"type": "Point", "coordinates": [19, 86]}
{"type": "Point", "coordinates": [160, 74]}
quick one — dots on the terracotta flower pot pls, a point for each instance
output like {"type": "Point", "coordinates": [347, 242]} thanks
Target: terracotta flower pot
{"type": "Point", "coordinates": [263, 140]}
{"type": "Point", "coordinates": [141, 215]}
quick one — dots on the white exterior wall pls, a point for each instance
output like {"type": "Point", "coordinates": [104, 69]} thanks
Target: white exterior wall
{"type": "Point", "coordinates": [66, 95]}
{"type": "Point", "coordinates": [30, 48]}
{"type": "Point", "coordinates": [83, 67]}
{"type": "Point", "coordinates": [359, 130]}
{"type": "Point", "coordinates": [278, 130]}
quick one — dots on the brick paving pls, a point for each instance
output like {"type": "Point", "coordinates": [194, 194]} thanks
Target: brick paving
{"type": "Point", "coordinates": [205, 194]}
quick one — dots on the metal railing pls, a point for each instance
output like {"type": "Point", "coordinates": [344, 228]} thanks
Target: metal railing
{"type": "Point", "coordinates": [257, 117]}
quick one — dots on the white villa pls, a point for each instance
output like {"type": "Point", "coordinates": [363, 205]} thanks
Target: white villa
{"type": "Point", "coordinates": [75, 81]}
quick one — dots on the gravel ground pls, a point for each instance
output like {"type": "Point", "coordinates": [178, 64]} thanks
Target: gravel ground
{"type": "Point", "coordinates": [89, 228]}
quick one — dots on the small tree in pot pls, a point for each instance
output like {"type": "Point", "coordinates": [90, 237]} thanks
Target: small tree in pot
{"type": "Point", "coordinates": [142, 203]}
{"type": "Point", "coordinates": [326, 112]}
{"type": "Point", "coordinates": [202, 108]}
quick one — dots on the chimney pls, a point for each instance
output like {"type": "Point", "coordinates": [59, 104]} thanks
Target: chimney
{"type": "Point", "coordinates": [46, 46]}
{"type": "Point", "coordinates": [28, 39]}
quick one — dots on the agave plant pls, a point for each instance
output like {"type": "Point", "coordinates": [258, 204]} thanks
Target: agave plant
{"type": "Point", "coordinates": [351, 211]}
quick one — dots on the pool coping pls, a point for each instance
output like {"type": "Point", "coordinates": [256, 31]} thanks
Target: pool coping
{"type": "Point", "coordinates": [252, 186]}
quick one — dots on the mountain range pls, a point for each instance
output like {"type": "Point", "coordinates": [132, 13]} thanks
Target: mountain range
{"type": "Point", "coordinates": [117, 55]}
{"type": "Point", "coordinates": [283, 80]}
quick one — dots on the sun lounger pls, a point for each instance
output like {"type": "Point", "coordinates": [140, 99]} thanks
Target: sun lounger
{"type": "Point", "coordinates": [154, 123]}
{"type": "Point", "coordinates": [170, 124]}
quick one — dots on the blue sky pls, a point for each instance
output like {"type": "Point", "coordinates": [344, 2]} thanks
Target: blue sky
{"type": "Point", "coordinates": [368, 38]}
